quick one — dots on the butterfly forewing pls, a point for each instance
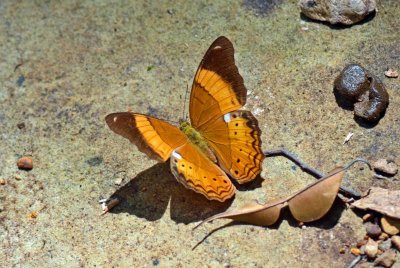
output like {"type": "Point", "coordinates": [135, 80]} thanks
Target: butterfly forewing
{"type": "Point", "coordinates": [218, 92]}
{"type": "Point", "coordinates": [152, 136]}
{"type": "Point", "coordinates": [218, 87]}
{"type": "Point", "coordinates": [195, 171]}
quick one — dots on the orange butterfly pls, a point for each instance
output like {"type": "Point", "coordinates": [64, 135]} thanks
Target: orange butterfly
{"type": "Point", "coordinates": [220, 139]}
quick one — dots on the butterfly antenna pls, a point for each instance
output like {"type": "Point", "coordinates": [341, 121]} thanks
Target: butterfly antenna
{"type": "Point", "coordinates": [184, 103]}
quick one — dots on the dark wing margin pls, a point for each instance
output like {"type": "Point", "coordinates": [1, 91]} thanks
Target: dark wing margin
{"type": "Point", "coordinates": [220, 59]}
{"type": "Point", "coordinates": [218, 88]}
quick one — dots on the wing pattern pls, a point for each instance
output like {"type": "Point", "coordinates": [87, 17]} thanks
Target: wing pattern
{"type": "Point", "coordinates": [235, 138]}
{"type": "Point", "coordinates": [195, 171]}
{"type": "Point", "coordinates": [154, 137]}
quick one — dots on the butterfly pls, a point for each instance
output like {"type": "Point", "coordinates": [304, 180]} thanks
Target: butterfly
{"type": "Point", "coordinates": [220, 138]}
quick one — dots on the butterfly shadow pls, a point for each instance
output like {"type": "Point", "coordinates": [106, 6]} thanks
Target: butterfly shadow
{"type": "Point", "coordinates": [147, 196]}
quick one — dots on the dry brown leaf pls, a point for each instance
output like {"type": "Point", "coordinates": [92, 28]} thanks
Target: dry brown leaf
{"type": "Point", "coordinates": [316, 199]}
{"type": "Point", "coordinates": [262, 215]}
{"type": "Point", "coordinates": [309, 204]}
{"type": "Point", "coordinates": [381, 200]}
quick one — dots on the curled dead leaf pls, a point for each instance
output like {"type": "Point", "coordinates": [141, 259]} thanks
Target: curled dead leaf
{"type": "Point", "coordinates": [309, 204]}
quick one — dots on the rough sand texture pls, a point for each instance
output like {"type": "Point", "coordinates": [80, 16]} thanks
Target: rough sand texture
{"type": "Point", "coordinates": [64, 65]}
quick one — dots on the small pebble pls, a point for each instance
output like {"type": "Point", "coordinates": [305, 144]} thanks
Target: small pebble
{"type": "Point", "coordinates": [385, 166]}
{"type": "Point", "coordinates": [3, 182]}
{"type": "Point", "coordinates": [25, 162]}
{"type": "Point", "coordinates": [385, 245]}
{"type": "Point", "coordinates": [390, 226]}
{"type": "Point", "coordinates": [21, 125]}
{"type": "Point", "coordinates": [18, 177]}
{"type": "Point", "coordinates": [355, 251]}
{"type": "Point", "coordinates": [367, 217]}
{"type": "Point", "coordinates": [342, 250]}
{"type": "Point", "coordinates": [156, 261]}
{"type": "Point", "coordinates": [387, 259]}
{"type": "Point", "coordinates": [391, 73]}
{"type": "Point", "coordinates": [396, 242]}
{"type": "Point", "coordinates": [118, 181]}
{"type": "Point", "coordinates": [371, 248]}
{"type": "Point", "coordinates": [383, 236]}
{"type": "Point", "coordinates": [373, 230]}
{"type": "Point", "coordinates": [33, 215]}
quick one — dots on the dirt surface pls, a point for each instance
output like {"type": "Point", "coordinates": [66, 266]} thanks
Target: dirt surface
{"type": "Point", "coordinates": [66, 65]}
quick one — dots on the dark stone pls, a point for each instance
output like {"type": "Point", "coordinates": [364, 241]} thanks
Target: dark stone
{"type": "Point", "coordinates": [156, 262]}
{"type": "Point", "coordinates": [95, 161]}
{"type": "Point", "coordinates": [368, 94]}
{"type": "Point", "coordinates": [20, 80]}
{"type": "Point", "coordinates": [373, 230]}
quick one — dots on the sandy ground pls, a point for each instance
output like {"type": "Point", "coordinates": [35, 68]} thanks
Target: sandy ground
{"type": "Point", "coordinates": [66, 64]}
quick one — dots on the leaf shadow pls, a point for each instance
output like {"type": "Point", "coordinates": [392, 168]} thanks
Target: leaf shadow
{"type": "Point", "coordinates": [148, 194]}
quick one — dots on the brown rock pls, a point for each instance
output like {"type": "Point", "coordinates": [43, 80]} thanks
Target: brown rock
{"type": "Point", "coordinates": [373, 230]}
{"type": "Point", "coordinates": [3, 181]}
{"type": "Point", "coordinates": [25, 162]}
{"type": "Point", "coordinates": [387, 259]}
{"type": "Point", "coordinates": [390, 226]}
{"type": "Point", "coordinates": [383, 236]}
{"type": "Point", "coordinates": [357, 85]}
{"type": "Point", "coordinates": [385, 166]}
{"type": "Point", "coordinates": [396, 242]}
{"type": "Point", "coordinates": [344, 11]}
{"type": "Point", "coordinates": [371, 248]}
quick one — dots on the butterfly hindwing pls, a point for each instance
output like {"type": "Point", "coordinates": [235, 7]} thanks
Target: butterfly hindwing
{"type": "Point", "coordinates": [218, 87]}
{"type": "Point", "coordinates": [195, 171]}
{"type": "Point", "coordinates": [152, 136]}
{"type": "Point", "coordinates": [235, 138]}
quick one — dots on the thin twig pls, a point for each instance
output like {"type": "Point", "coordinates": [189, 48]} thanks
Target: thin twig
{"type": "Point", "coordinates": [306, 168]}
{"type": "Point", "coordinates": [296, 160]}
{"type": "Point", "coordinates": [356, 261]}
